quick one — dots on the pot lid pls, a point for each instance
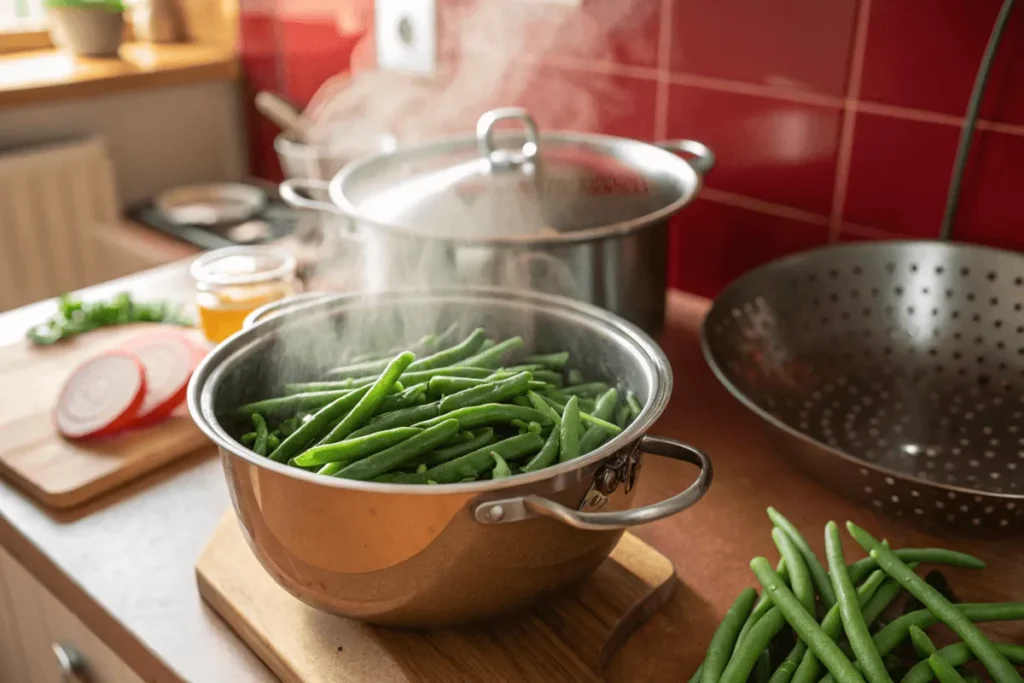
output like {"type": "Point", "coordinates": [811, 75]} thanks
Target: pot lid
{"type": "Point", "coordinates": [521, 185]}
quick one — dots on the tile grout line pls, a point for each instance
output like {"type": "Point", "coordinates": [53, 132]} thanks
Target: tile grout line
{"type": "Point", "coordinates": [663, 64]}
{"type": "Point", "coordinates": [740, 201]}
{"type": "Point", "coordinates": [769, 92]}
{"type": "Point", "coordinates": [845, 153]}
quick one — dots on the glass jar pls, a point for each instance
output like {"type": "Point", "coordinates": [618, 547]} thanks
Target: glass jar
{"type": "Point", "coordinates": [234, 281]}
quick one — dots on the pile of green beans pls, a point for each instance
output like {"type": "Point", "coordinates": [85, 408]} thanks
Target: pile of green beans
{"type": "Point", "coordinates": [812, 620]}
{"type": "Point", "coordinates": [474, 409]}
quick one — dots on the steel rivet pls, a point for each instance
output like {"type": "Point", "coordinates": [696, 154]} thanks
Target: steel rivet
{"type": "Point", "coordinates": [497, 513]}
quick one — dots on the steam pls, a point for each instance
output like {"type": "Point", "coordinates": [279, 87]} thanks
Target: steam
{"type": "Point", "coordinates": [493, 53]}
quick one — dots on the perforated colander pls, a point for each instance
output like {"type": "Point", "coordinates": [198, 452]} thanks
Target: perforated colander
{"type": "Point", "coordinates": [892, 371]}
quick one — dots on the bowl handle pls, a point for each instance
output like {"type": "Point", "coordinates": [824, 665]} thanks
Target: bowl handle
{"type": "Point", "coordinates": [526, 507]}
{"type": "Point", "coordinates": [281, 306]}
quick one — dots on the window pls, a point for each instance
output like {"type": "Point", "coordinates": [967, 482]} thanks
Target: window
{"type": "Point", "coordinates": [21, 15]}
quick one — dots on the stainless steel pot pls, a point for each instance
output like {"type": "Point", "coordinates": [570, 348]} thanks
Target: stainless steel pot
{"type": "Point", "coordinates": [575, 214]}
{"type": "Point", "coordinates": [432, 555]}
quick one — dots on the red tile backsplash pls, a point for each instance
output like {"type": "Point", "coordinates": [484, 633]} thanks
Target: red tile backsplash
{"type": "Point", "coordinates": [772, 149]}
{"type": "Point", "coordinates": [710, 244]}
{"type": "Point", "coordinates": [899, 174]}
{"type": "Point", "coordinates": [791, 44]}
{"type": "Point", "coordinates": [766, 85]}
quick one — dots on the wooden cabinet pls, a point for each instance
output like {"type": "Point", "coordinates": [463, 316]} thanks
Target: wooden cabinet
{"type": "Point", "coordinates": [32, 622]}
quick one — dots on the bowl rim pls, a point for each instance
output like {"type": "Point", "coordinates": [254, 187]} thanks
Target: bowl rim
{"type": "Point", "coordinates": [207, 375]}
{"type": "Point", "coordinates": [711, 356]}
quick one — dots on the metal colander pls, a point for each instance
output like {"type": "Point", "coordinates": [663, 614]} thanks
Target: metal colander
{"type": "Point", "coordinates": [892, 371]}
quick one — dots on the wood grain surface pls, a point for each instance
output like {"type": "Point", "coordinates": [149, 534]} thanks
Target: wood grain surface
{"type": "Point", "coordinates": [60, 473]}
{"type": "Point", "coordinates": [567, 640]}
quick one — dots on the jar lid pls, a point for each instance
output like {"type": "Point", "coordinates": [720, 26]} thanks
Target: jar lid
{"type": "Point", "coordinates": [521, 185]}
{"type": "Point", "coordinates": [243, 265]}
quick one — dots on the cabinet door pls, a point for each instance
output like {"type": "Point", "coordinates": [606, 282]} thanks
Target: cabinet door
{"type": "Point", "coordinates": [12, 658]}
{"type": "Point", "coordinates": [41, 622]}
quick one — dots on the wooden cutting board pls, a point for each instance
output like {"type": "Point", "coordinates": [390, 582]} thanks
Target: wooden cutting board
{"type": "Point", "coordinates": [568, 640]}
{"type": "Point", "coordinates": [63, 474]}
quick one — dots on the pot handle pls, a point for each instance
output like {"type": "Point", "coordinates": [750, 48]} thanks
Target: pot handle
{"type": "Point", "coordinates": [289, 191]}
{"type": "Point", "coordinates": [526, 507]}
{"type": "Point", "coordinates": [699, 155]}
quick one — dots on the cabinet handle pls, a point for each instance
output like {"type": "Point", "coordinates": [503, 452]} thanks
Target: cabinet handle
{"type": "Point", "coordinates": [72, 665]}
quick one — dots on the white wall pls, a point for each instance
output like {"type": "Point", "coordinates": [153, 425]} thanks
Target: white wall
{"type": "Point", "coordinates": [158, 137]}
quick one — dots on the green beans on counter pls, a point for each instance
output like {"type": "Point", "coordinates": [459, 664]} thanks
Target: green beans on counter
{"type": "Point", "coordinates": [722, 643]}
{"type": "Point", "coordinates": [479, 409]}
{"type": "Point", "coordinates": [805, 588]}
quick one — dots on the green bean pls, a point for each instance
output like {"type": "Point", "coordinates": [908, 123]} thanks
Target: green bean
{"type": "Point", "coordinates": [484, 438]}
{"type": "Point", "coordinates": [290, 425]}
{"type": "Point", "coordinates": [543, 406]}
{"type": "Point", "coordinates": [863, 567]}
{"type": "Point", "coordinates": [396, 456]}
{"type": "Point", "coordinates": [489, 414]}
{"type": "Point", "coordinates": [450, 356]}
{"type": "Point", "coordinates": [923, 645]}
{"type": "Point", "coordinates": [584, 417]}
{"type": "Point", "coordinates": [799, 576]}
{"type": "Point", "coordinates": [569, 432]}
{"type": "Point", "coordinates": [403, 399]}
{"type": "Point", "coordinates": [856, 630]}
{"type": "Point", "coordinates": [553, 361]}
{"type": "Point", "coordinates": [889, 591]}
{"type": "Point", "coordinates": [441, 386]}
{"type": "Point", "coordinates": [510, 370]}
{"type": "Point", "coordinates": [489, 392]}
{"type": "Point", "coordinates": [634, 405]}
{"type": "Point", "coordinates": [622, 415]}
{"type": "Point", "coordinates": [763, 604]}
{"type": "Point", "coordinates": [522, 401]}
{"type": "Point", "coordinates": [397, 418]}
{"type": "Point", "coordinates": [605, 410]}
{"type": "Point", "coordinates": [888, 638]}
{"type": "Point", "coordinates": [310, 430]}
{"type": "Point", "coordinates": [501, 469]}
{"type": "Point", "coordinates": [957, 655]}
{"type": "Point", "coordinates": [370, 402]}
{"type": "Point", "coordinates": [786, 670]}
{"type": "Point", "coordinates": [259, 446]}
{"type": "Point", "coordinates": [490, 358]}
{"type": "Point", "coordinates": [818, 573]}
{"type": "Point", "coordinates": [548, 376]}
{"type": "Point", "coordinates": [804, 624]}
{"type": "Point", "coordinates": [548, 454]}
{"type": "Point", "coordinates": [1000, 669]}
{"type": "Point", "coordinates": [574, 376]}
{"type": "Point", "coordinates": [809, 666]}
{"type": "Point", "coordinates": [696, 674]}
{"type": "Point", "coordinates": [476, 463]}
{"type": "Point", "coordinates": [292, 403]}
{"type": "Point", "coordinates": [943, 671]}
{"type": "Point", "coordinates": [763, 667]}
{"type": "Point", "coordinates": [723, 641]}
{"type": "Point", "coordinates": [744, 657]}
{"type": "Point", "coordinates": [353, 449]}
{"type": "Point", "coordinates": [273, 441]}
{"type": "Point", "coordinates": [585, 389]}
{"type": "Point", "coordinates": [407, 377]}
{"type": "Point", "coordinates": [248, 439]}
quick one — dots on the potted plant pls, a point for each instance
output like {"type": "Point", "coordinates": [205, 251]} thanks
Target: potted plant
{"type": "Point", "coordinates": [88, 28]}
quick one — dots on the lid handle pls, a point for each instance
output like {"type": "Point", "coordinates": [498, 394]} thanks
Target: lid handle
{"type": "Point", "coordinates": [485, 134]}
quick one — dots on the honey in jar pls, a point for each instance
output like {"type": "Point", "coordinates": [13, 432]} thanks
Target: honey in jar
{"type": "Point", "coordinates": [234, 281]}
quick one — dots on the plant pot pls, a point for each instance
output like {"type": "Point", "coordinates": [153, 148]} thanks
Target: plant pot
{"type": "Point", "coordinates": [87, 32]}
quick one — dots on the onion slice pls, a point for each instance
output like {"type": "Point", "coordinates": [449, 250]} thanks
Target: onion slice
{"type": "Point", "coordinates": [168, 358]}
{"type": "Point", "coordinates": [101, 396]}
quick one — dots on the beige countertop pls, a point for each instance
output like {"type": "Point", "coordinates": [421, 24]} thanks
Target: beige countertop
{"type": "Point", "coordinates": [125, 565]}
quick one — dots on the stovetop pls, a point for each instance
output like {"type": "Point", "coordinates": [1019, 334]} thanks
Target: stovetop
{"type": "Point", "coordinates": [275, 222]}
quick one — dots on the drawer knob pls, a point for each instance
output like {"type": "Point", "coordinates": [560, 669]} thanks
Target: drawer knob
{"type": "Point", "coordinates": [72, 665]}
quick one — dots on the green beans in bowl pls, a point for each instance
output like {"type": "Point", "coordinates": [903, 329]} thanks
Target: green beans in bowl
{"type": "Point", "coordinates": [427, 458]}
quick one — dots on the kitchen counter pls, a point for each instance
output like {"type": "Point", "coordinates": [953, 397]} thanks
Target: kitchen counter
{"type": "Point", "coordinates": [125, 564]}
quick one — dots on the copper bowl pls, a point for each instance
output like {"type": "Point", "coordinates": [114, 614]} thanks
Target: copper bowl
{"type": "Point", "coordinates": [435, 555]}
